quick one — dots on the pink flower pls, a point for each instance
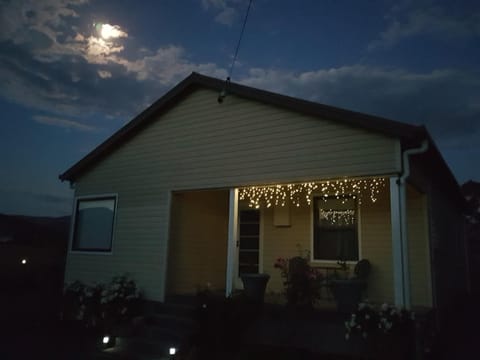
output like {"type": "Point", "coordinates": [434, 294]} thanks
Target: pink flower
{"type": "Point", "coordinates": [280, 263]}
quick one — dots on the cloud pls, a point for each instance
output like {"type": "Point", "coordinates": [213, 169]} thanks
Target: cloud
{"type": "Point", "coordinates": [21, 16]}
{"type": "Point", "coordinates": [63, 123]}
{"type": "Point", "coordinates": [168, 65]}
{"type": "Point", "coordinates": [75, 88]}
{"type": "Point", "coordinates": [444, 100]}
{"type": "Point", "coordinates": [429, 20]}
{"type": "Point", "coordinates": [225, 10]}
{"type": "Point", "coordinates": [49, 62]}
{"type": "Point", "coordinates": [104, 74]}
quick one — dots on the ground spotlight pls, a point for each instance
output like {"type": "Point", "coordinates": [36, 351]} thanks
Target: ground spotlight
{"type": "Point", "coordinates": [108, 341]}
{"type": "Point", "coordinates": [172, 351]}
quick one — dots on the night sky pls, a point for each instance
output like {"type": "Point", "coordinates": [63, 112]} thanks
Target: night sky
{"type": "Point", "coordinates": [74, 72]}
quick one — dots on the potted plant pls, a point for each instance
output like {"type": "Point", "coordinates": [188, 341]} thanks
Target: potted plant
{"type": "Point", "coordinates": [254, 286]}
{"type": "Point", "coordinates": [301, 282]}
{"type": "Point", "coordinates": [348, 292]}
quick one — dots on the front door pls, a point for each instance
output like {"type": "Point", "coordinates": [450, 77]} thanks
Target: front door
{"type": "Point", "coordinates": [249, 235]}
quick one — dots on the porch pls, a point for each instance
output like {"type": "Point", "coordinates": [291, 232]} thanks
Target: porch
{"type": "Point", "coordinates": [215, 235]}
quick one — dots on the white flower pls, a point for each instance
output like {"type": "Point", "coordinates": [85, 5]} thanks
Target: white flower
{"type": "Point", "coordinates": [367, 316]}
{"type": "Point", "coordinates": [361, 306]}
{"type": "Point", "coordinates": [384, 307]}
{"type": "Point", "coordinates": [347, 336]}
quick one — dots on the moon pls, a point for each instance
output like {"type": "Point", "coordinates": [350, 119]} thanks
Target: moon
{"type": "Point", "coordinates": [108, 31]}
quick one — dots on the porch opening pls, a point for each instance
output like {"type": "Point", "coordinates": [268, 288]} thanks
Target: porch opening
{"type": "Point", "coordinates": [198, 242]}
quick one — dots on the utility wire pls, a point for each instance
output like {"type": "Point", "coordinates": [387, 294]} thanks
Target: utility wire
{"type": "Point", "coordinates": [223, 93]}
{"type": "Point", "coordinates": [239, 41]}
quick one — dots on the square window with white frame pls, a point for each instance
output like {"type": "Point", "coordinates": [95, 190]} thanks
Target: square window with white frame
{"type": "Point", "coordinates": [94, 224]}
{"type": "Point", "coordinates": [335, 232]}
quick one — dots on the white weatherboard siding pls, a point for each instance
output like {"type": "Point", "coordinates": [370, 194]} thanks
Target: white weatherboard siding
{"type": "Point", "coordinates": [200, 144]}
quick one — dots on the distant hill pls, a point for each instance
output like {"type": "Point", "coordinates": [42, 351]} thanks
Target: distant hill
{"type": "Point", "coordinates": [32, 265]}
{"type": "Point", "coordinates": [34, 231]}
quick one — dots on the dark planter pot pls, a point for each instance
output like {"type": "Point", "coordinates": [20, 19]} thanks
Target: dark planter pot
{"type": "Point", "coordinates": [254, 286]}
{"type": "Point", "coordinates": [347, 293]}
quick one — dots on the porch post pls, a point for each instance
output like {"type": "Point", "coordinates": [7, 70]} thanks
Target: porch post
{"type": "Point", "coordinates": [232, 240]}
{"type": "Point", "coordinates": [397, 248]}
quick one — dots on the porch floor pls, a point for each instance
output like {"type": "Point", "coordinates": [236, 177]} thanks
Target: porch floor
{"type": "Point", "coordinates": [318, 331]}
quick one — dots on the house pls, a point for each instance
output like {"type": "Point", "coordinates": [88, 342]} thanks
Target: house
{"type": "Point", "coordinates": [202, 187]}
{"type": "Point", "coordinates": [471, 192]}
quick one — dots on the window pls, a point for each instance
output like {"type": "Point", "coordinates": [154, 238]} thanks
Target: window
{"type": "Point", "coordinates": [248, 253]}
{"type": "Point", "coordinates": [93, 224]}
{"type": "Point", "coordinates": [335, 234]}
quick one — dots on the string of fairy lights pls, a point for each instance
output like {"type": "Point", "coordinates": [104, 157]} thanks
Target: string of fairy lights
{"type": "Point", "coordinates": [301, 193]}
{"type": "Point", "coordinates": [342, 217]}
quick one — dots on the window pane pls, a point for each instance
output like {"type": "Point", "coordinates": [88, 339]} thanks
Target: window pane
{"type": "Point", "coordinates": [335, 229]}
{"type": "Point", "coordinates": [94, 224]}
{"type": "Point", "coordinates": [249, 229]}
{"type": "Point", "coordinates": [249, 239]}
{"type": "Point", "coordinates": [250, 216]}
{"type": "Point", "coordinates": [249, 242]}
{"type": "Point", "coordinates": [248, 258]}
{"type": "Point", "coordinates": [248, 269]}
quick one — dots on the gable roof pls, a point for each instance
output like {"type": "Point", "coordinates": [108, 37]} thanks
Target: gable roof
{"type": "Point", "coordinates": [410, 135]}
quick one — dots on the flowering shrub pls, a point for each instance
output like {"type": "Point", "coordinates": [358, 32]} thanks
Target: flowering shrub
{"type": "Point", "coordinates": [387, 319]}
{"type": "Point", "coordinates": [101, 305]}
{"type": "Point", "coordinates": [301, 282]}
{"type": "Point", "coordinates": [119, 299]}
{"type": "Point", "coordinates": [392, 319]}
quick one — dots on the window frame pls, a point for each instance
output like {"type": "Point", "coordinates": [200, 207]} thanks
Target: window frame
{"type": "Point", "coordinates": [312, 229]}
{"type": "Point", "coordinates": [73, 223]}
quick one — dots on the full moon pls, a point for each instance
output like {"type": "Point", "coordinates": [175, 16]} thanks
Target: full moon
{"type": "Point", "coordinates": [108, 31]}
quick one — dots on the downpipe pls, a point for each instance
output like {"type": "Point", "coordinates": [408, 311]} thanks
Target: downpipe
{"type": "Point", "coordinates": [403, 219]}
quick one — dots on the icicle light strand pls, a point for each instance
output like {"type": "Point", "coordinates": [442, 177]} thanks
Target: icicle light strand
{"type": "Point", "coordinates": [346, 217]}
{"type": "Point", "coordinates": [298, 194]}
